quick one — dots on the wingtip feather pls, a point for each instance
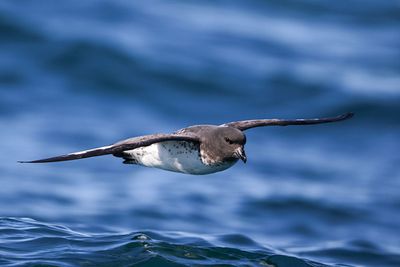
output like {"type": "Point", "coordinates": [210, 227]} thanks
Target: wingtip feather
{"type": "Point", "coordinates": [29, 161]}
{"type": "Point", "coordinates": [347, 115]}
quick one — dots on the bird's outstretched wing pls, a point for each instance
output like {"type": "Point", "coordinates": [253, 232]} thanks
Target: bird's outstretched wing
{"type": "Point", "coordinates": [119, 147]}
{"type": "Point", "coordinates": [247, 124]}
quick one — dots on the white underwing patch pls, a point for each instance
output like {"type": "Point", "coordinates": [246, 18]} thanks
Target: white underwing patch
{"type": "Point", "coordinates": [89, 150]}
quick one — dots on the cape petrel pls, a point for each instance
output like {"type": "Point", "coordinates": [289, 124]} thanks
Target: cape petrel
{"type": "Point", "coordinates": [198, 149]}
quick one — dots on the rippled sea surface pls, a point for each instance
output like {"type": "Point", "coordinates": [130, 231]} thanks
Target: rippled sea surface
{"type": "Point", "coordinates": [81, 74]}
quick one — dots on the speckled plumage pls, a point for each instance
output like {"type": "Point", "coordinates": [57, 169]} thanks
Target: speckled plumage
{"type": "Point", "coordinates": [177, 156]}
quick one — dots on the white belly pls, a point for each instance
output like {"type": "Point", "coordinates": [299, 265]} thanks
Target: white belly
{"type": "Point", "coordinates": [177, 156]}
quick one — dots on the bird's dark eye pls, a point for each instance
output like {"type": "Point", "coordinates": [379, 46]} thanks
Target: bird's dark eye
{"type": "Point", "coordinates": [228, 140]}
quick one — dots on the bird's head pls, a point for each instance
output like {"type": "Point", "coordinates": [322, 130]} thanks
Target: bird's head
{"type": "Point", "coordinates": [227, 143]}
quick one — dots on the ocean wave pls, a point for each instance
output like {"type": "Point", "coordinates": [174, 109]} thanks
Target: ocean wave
{"type": "Point", "coordinates": [27, 242]}
{"type": "Point", "coordinates": [12, 30]}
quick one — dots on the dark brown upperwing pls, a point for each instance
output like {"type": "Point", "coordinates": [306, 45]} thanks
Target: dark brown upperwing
{"type": "Point", "coordinates": [119, 147]}
{"type": "Point", "coordinates": [247, 124]}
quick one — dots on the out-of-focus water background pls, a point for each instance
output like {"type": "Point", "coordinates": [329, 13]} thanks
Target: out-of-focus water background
{"type": "Point", "coordinates": [80, 74]}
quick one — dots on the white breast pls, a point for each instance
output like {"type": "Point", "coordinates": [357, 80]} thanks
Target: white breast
{"type": "Point", "coordinates": [177, 156]}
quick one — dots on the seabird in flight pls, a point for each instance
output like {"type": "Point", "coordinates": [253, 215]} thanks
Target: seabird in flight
{"type": "Point", "coordinates": [198, 149]}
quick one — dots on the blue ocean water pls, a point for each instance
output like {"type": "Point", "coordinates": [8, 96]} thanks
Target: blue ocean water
{"type": "Point", "coordinates": [81, 74]}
